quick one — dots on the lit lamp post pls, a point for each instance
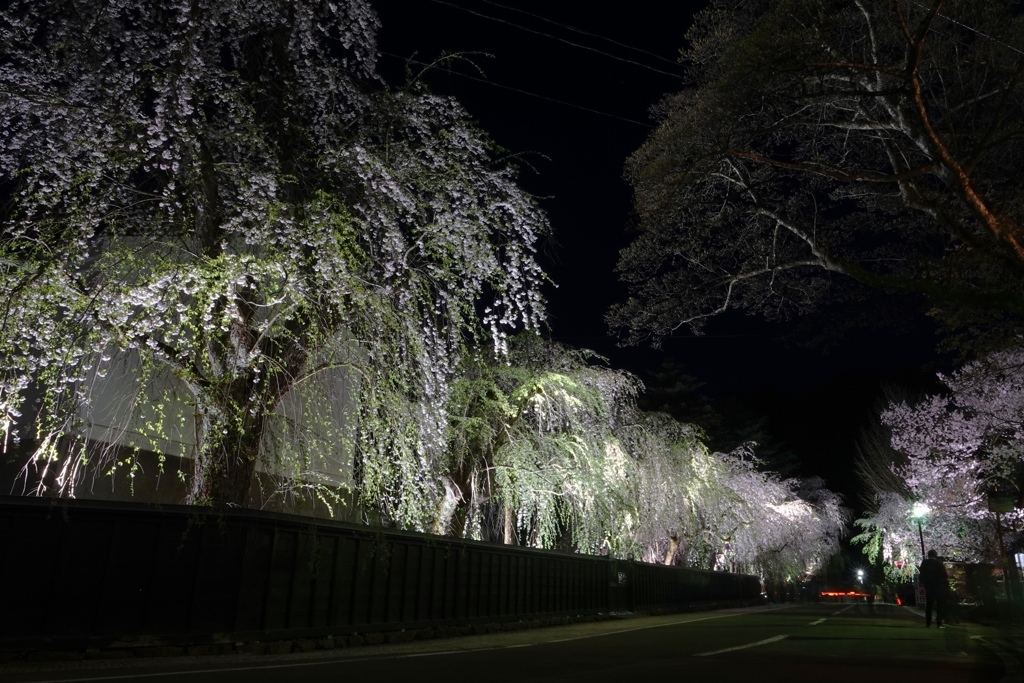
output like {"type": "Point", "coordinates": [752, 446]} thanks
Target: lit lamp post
{"type": "Point", "coordinates": [919, 512]}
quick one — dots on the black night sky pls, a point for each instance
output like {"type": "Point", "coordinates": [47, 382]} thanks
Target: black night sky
{"type": "Point", "coordinates": [813, 402]}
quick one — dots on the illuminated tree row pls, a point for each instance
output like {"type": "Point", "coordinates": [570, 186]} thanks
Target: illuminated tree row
{"type": "Point", "coordinates": [550, 450]}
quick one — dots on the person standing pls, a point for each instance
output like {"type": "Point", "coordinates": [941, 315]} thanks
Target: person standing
{"type": "Point", "coordinates": [936, 585]}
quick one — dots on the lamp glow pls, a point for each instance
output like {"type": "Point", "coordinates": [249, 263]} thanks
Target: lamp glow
{"type": "Point", "coordinates": [918, 513]}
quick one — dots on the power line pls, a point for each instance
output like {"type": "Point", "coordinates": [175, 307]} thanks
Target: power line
{"type": "Point", "coordinates": [970, 28]}
{"type": "Point", "coordinates": [561, 40]}
{"type": "Point", "coordinates": [579, 30]}
{"type": "Point", "coordinates": [522, 92]}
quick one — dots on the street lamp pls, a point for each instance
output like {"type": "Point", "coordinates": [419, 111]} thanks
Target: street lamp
{"type": "Point", "coordinates": [919, 512]}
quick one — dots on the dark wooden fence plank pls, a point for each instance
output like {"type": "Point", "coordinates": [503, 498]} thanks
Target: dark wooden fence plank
{"type": "Point", "coordinates": [74, 568]}
{"type": "Point", "coordinates": [301, 601]}
{"type": "Point", "coordinates": [126, 587]}
{"type": "Point", "coordinates": [255, 580]}
{"type": "Point", "coordinates": [282, 561]}
{"type": "Point", "coordinates": [395, 582]}
{"type": "Point", "coordinates": [345, 570]}
{"type": "Point", "coordinates": [323, 581]}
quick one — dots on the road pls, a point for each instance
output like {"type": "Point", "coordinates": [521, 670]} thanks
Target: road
{"type": "Point", "coordinates": [819, 642]}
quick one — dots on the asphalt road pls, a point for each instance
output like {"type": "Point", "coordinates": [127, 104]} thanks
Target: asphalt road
{"type": "Point", "coordinates": [822, 642]}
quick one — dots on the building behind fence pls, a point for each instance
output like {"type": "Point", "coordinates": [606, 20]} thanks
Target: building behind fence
{"type": "Point", "coordinates": [92, 573]}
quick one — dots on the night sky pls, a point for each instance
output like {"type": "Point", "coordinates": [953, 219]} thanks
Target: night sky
{"type": "Point", "coordinates": [812, 403]}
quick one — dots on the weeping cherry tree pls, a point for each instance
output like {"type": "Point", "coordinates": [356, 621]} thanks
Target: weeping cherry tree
{"type": "Point", "coordinates": [533, 456]}
{"type": "Point", "coordinates": [225, 193]}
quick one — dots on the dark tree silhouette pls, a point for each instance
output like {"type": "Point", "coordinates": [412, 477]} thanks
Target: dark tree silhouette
{"type": "Point", "coordinates": [828, 148]}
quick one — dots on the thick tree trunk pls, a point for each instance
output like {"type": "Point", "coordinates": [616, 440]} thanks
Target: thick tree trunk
{"type": "Point", "coordinates": [510, 526]}
{"type": "Point", "coordinates": [673, 548]}
{"type": "Point", "coordinates": [233, 462]}
{"type": "Point", "coordinates": [248, 401]}
{"type": "Point", "coordinates": [459, 521]}
{"type": "Point", "coordinates": [463, 482]}
{"type": "Point", "coordinates": [232, 471]}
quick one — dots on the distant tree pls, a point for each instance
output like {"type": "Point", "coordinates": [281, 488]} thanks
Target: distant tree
{"type": "Point", "coordinates": [727, 422]}
{"type": "Point", "coordinates": [671, 390]}
{"type": "Point", "coordinates": [828, 148]}
{"type": "Point", "coordinates": [779, 528]}
{"type": "Point", "coordinates": [227, 192]}
{"type": "Point", "coordinates": [723, 511]}
{"type": "Point", "coordinates": [876, 463]}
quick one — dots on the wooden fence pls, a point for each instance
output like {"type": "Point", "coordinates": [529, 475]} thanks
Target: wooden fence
{"type": "Point", "coordinates": [99, 572]}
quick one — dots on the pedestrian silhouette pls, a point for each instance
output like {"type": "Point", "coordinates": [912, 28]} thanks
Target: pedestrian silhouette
{"type": "Point", "coordinates": [936, 586]}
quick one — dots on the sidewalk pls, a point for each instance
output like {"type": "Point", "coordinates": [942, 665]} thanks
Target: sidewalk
{"type": "Point", "coordinates": [1002, 637]}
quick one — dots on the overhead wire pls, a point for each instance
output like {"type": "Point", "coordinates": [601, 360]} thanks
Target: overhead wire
{"type": "Point", "coordinates": [581, 31]}
{"type": "Point", "coordinates": [561, 40]}
{"type": "Point", "coordinates": [971, 28]}
{"type": "Point", "coordinates": [523, 92]}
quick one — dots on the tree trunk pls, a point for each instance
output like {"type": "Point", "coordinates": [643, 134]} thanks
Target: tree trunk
{"type": "Point", "coordinates": [233, 462]}
{"type": "Point", "coordinates": [462, 479]}
{"type": "Point", "coordinates": [673, 548]}
{"type": "Point", "coordinates": [248, 401]}
{"type": "Point", "coordinates": [232, 471]}
{"type": "Point", "coordinates": [510, 526]}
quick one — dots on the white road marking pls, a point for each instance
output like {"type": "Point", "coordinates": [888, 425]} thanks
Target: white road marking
{"type": "Point", "coordinates": [843, 610]}
{"type": "Point", "coordinates": [815, 623]}
{"type": "Point", "coordinates": [773, 639]}
{"type": "Point", "coordinates": [1012, 669]}
{"type": "Point", "coordinates": [672, 623]}
{"type": "Point", "coordinates": [343, 660]}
